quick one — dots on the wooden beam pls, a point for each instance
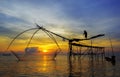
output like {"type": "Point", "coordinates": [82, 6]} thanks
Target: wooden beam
{"type": "Point", "coordinates": [75, 44]}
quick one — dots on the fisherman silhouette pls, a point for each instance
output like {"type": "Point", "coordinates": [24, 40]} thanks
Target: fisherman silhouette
{"type": "Point", "coordinates": [85, 33]}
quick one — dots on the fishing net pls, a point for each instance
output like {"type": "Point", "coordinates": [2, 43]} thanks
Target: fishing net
{"type": "Point", "coordinates": [29, 42]}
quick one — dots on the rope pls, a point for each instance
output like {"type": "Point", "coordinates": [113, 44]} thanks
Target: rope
{"type": "Point", "coordinates": [32, 37]}
{"type": "Point", "coordinates": [14, 40]}
{"type": "Point", "coordinates": [52, 37]}
{"type": "Point", "coordinates": [18, 36]}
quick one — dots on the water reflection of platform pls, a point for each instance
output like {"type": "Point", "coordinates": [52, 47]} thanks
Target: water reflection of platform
{"type": "Point", "coordinates": [85, 67]}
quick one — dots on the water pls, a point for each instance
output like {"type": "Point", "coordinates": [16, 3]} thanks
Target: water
{"type": "Point", "coordinates": [35, 66]}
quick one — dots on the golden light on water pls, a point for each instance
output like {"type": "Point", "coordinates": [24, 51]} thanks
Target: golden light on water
{"type": "Point", "coordinates": [45, 50]}
{"type": "Point", "coordinates": [44, 64]}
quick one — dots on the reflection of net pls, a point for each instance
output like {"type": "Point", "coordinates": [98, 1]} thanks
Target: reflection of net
{"type": "Point", "coordinates": [48, 33]}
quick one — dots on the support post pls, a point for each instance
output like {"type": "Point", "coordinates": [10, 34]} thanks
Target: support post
{"type": "Point", "coordinates": [91, 51]}
{"type": "Point", "coordinates": [70, 49]}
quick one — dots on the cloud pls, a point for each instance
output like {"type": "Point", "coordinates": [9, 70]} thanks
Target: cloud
{"type": "Point", "coordinates": [31, 13]}
{"type": "Point", "coordinates": [50, 16]}
{"type": "Point", "coordinates": [56, 17]}
{"type": "Point", "coordinates": [4, 30]}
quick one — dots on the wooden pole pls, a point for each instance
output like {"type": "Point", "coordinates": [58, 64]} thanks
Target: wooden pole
{"type": "Point", "coordinates": [70, 49]}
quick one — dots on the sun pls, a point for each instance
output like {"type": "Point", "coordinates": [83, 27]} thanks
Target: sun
{"type": "Point", "coordinates": [45, 50]}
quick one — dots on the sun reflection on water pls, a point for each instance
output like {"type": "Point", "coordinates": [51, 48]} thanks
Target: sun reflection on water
{"type": "Point", "coordinates": [59, 68]}
{"type": "Point", "coordinates": [44, 63]}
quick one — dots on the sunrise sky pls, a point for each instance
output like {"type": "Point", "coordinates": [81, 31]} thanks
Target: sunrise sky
{"type": "Point", "coordinates": [68, 18]}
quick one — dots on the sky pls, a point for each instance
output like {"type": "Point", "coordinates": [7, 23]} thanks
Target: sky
{"type": "Point", "coordinates": [68, 18]}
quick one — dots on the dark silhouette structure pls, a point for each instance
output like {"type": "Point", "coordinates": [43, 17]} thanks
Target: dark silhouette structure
{"type": "Point", "coordinates": [112, 60]}
{"type": "Point", "coordinates": [85, 33]}
{"type": "Point", "coordinates": [72, 42]}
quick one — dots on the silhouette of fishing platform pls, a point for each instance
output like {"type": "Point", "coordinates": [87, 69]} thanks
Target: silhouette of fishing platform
{"type": "Point", "coordinates": [99, 50]}
{"type": "Point", "coordinates": [74, 42]}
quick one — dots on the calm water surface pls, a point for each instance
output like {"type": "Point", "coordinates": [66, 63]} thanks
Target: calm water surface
{"type": "Point", "coordinates": [35, 66]}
